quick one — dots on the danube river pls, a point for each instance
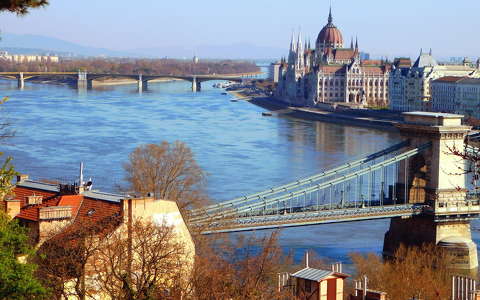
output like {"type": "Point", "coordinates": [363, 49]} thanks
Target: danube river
{"type": "Point", "coordinates": [243, 152]}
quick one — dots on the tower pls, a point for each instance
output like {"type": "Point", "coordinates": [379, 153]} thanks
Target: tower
{"type": "Point", "coordinates": [431, 178]}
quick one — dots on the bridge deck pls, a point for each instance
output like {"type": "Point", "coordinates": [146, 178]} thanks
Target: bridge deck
{"type": "Point", "coordinates": [274, 221]}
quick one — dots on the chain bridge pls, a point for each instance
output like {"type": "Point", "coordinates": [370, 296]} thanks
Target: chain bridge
{"type": "Point", "coordinates": [415, 183]}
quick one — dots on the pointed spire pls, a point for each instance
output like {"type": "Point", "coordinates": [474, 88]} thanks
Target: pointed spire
{"type": "Point", "coordinates": [351, 43]}
{"type": "Point", "coordinates": [330, 19]}
{"type": "Point", "coordinates": [421, 51]}
{"type": "Point", "coordinates": [356, 43]}
{"type": "Point", "coordinates": [430, 53]}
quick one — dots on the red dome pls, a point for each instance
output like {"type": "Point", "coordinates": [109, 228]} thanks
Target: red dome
{"type": "Point", "coordinates": [330, 35]}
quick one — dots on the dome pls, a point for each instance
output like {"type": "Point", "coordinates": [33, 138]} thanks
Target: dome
{"type": "Point", "coordinates": [330, 35]}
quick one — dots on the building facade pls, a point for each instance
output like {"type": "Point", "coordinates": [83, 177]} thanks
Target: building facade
{"type": "Point", "coordinates": [409, 87]}
{"type": "Point", "coordinates": [21, 58]}
{"type": "Point", "coordinates": [457, 95]}
{"type": "Point", "coordinates": [331, 73]}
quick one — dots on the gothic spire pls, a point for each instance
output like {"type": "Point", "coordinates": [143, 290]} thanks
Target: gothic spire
{"type": "Point", "coordinates": [356, 43]}
{"type": "Point", "coordinates": [330, 19]}
{"type": "Point", "coordinates": [351, 43]}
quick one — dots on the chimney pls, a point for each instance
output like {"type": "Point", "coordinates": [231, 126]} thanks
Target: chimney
{"type": "Point", "coordinates": [306, 259]}
{"type": "Point", "coordinates": [22, 177]}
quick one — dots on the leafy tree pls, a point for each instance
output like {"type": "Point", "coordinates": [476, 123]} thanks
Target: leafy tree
{"type": "Point", "coordinates": [17, 279]}
{"type": "Point", "coordinates": [21, 7]}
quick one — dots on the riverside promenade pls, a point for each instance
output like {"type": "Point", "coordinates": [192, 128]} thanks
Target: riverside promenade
{"type": "Point", "coordinates": [356, 117]}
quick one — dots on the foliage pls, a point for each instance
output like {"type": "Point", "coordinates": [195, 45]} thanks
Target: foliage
{"type": "Point", "coordinates": [247, 269]}
{"type": "Point", "coordinates": [87, 260]}
{"type": "Point", "coordinates": [16, 279]}
{"type": "Point", "coordinates": [134, 66]}
{"type": "Point", "coordinates": [169, 171]}
{"type": "Point", "coordinates": [144, 264]}
{"type": "Point", "coordinates": [417, 271]}
{"type": "Point", "coordinates": [7, 173]}
{"type": "Point", "coordinates": [21, 7]}
{"type": "Point", "coordinates": [63, 258]}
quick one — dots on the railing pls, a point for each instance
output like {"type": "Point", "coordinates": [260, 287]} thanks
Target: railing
{"type": "Point", "coordinates": [310, 218]}
{"type": "Point", "coordinates": [55, 212]}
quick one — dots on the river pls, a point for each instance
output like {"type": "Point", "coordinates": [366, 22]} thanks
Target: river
{"type": "Point", "coordinates": [241, 150]}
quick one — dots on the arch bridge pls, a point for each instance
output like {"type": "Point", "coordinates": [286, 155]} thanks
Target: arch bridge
{"type": "Point", "coordinates": [85, 79]}
{"type": "Point", "coordinates": [415, 183]}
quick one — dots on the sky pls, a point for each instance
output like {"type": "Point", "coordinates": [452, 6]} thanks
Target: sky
{"type": "Point", "coordinates": [384, 28]}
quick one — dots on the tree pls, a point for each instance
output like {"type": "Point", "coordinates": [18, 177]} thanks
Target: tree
{"type": "Point", "coordinates": [64, 259]}
{"type": "Point", "coordinates": [21, 7]}
{"type": "Point", "coordinates": [7, 173]}
{"type": "Point", "coordinates": [147, 262]}
{"type": "Point", "coordinates": [247, 269]}
{"type": "Point", "coordinates": [168, 171]}
{"type": "Point", "coordinates": [17, 279]}
{"type": "Point", "coordinates": [416, 271]}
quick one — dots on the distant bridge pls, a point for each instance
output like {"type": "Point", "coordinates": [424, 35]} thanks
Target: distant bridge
{"type": "Point", "coordinates": [85, 79]}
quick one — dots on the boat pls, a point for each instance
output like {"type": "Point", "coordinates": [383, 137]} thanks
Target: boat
{"type": "Point", "coordinates": [224, 93]}
{"type": "Point", "coordinates": [266, 114]}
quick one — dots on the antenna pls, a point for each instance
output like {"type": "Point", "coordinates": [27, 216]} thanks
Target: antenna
{"type": "Point", "coordinates": [80, 182]}
{"type": "Point", "coordinates": [306, 259]}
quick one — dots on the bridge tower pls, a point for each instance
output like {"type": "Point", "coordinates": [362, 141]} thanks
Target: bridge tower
{"type": "Point", "coordinates": [435, 178]}
{"type": "Point", "coordinates": [21, 81]}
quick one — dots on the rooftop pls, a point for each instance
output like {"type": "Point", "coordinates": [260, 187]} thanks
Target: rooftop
{"type": "Point", "coordinates": [316, 274]}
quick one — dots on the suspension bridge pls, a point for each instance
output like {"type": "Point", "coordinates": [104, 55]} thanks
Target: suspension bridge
{"type": "Point", "coordinates": [414, 183]}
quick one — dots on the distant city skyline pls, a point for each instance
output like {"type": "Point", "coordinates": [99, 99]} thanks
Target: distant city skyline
{"type": "Point", "coordinates": [383, 29]}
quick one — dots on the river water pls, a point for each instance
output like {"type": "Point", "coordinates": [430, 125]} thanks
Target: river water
{"type": "Point", "coordinates": [242, 151]}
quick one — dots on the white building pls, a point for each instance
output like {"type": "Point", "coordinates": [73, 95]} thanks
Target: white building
{"type": "Point", "coordinates": [274, 71]}
{"type": "Point", "coordinates": [409, 88]}
{"type": "Point", "coordinates": [21, 58]}
{"type": "Point", "coordinates": [459, 95]}
{"type": "Point", "coordinates": [330, 73]}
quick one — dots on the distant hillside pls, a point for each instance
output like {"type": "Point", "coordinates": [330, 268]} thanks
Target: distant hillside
{"type": "Point", "coordinates": [28, 43]}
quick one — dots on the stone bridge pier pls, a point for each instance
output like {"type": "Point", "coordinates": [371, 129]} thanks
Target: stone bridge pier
{"type": "Point", "coordinates": [21, 81]}
{"type": "Point", "coordinates": [142, 83]}
{"type": "Point", "coordinates": [82, 81]}
{"type": "Point", "coordinates": [434, 178]}
{"type": "Point", "coordinates": [196, 85]}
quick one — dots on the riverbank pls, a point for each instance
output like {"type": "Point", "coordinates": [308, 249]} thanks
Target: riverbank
{"type": "Point", "coordinates": [361, 119]}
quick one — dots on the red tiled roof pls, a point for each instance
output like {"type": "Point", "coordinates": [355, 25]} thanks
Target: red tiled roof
{"type": "Point", "coordinates": [332, 69]}
{"type": "Point", "coordinates": [31, 212]}
{"type": "Point", "coordinates": [71, 200]}
{"type": "Point", "coordinates": [371, 62]}
{"type": "Point", "coordinates": [344, 53]}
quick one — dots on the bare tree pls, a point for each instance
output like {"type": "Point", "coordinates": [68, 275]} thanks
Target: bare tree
{"type": "Point", "coordinates": [416, 271]}
{"type": "Point", "coordinates": [169, 171]}
{"type": "Point", "coordinates": [147, 262]}
{"type": "Point", "coordinates": [247, 269]}
{"type": "Point", "coordinates": [64, 258]}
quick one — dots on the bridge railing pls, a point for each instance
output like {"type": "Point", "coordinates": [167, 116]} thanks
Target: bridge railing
{"type": "Point", "coordinates": [361, 193]}
{"type": "Point", "coordinates": [232, 204]}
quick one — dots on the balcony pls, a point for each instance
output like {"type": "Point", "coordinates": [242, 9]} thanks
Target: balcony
{"type": "Point", "coordinates": [55, 213]}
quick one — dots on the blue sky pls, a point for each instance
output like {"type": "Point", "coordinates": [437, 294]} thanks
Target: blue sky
{"type": "Point", "coordinates": [383, 27]}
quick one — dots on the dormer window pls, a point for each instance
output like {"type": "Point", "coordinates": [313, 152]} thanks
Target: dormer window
{"type": "Point", "coordinates": [34, 200]}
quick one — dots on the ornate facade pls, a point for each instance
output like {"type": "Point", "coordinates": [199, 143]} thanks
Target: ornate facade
{"type": "Point", "coordinates": [330, 73]}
